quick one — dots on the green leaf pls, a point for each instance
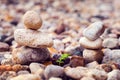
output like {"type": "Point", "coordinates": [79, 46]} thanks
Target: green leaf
{"type": "Point", "coordinates": [63, 57]}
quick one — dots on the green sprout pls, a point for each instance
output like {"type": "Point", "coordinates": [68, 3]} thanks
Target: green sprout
{"type": "Point", "coordinates": [62, 58]}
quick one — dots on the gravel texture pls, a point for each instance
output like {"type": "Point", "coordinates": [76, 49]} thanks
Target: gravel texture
{"type": "Point", "coordinates": [59, 39]}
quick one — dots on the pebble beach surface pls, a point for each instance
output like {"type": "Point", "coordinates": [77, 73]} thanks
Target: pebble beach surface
{"type": "Point", "coordinates": [59, 40]}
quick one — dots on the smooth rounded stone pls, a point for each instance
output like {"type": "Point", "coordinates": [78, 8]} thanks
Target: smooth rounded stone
{"type": "Point", "coordinates": [5, 55]}
{"type": "Point", "coordinates": [86, 43]}
{"type": "Point", "coordinates": [106, 67]}
{"type": "Point", "coordinates": [111, 56]}
{"type": "Point", "coordinates": [7, 61]}
{"type": "Point", "coordinates": [32, 20]}
{"type": "Point", "coordinates": [114, 75]}
{"type": "Point", "coordinates": [22, 72]}
{"type": "Point", "coordinates": [7, 75]}
{"type": "Point", "coordinates": [92, 55]}
{"type": "Point", "coordinates": [4, 47]}
{"type": "Point", "coordinates": [26, 77]}
{"type": "Point", "coordinates": [76, 61]}
{"type": "Point", "coordinates": [76, 73]}
{"type": "Point", "coordinates": [97, 74]}
{"type": "Point", "coordinates": [75, 50]}
{"type": "Point", "coordinates": [92, 64]}
{"type": "Point", "coordinates": [32, 38]}
{"type": "Point", "coordinates": [60, 28]}
{"type": "Point", "coordinates": [23, 55]}
{"type": "Point", "coordinates": [110, 43]}
{"type": "Point", "coordinates": [37, 68]}
{"type": "Point", "coordinates": [87, 78]}
{"type": "Point", "coordinates": [55, 78]}
{"type": "Point", "coordinates": [58, 44]}
{"type": "Point", "coordinates": [93, 31]}
{"type": "Point", "coordinates": [70, 48]}
{"type": "Point", "coordinates": [53, 71]}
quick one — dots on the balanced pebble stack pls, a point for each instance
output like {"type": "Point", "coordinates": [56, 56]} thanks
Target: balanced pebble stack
{"type": "Point", "coordinates": [33, 42]}
{"type": "Point", "coordinates": [92, 42]}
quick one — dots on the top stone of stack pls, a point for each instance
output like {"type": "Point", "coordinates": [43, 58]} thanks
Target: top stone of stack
{"type": "Point", "coordinates": [30, 36]}
{"type": "Point", "coordinates": [94, 31]}
{"type": "Point", "coordinates": [32, 20]}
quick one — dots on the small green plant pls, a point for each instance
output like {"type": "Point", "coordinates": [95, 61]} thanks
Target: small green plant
{"type": "Point", "coordinates": [62, 58]}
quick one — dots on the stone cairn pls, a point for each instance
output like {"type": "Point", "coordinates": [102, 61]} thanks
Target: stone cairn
{"type": "Point", "coordinates": [32, 42]}
{"type": "Point", "coordinates": [92, 42]}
